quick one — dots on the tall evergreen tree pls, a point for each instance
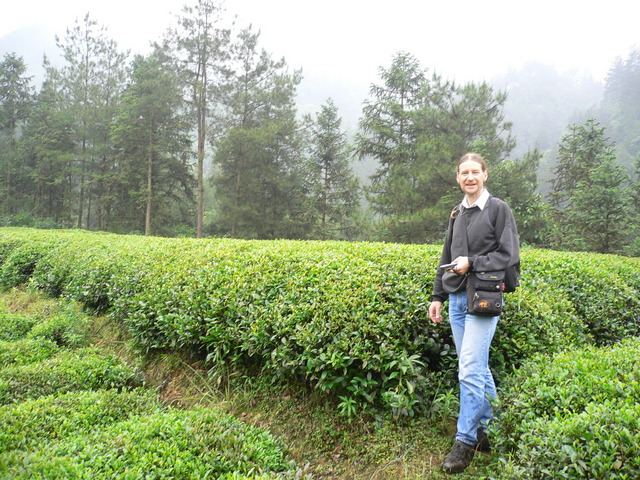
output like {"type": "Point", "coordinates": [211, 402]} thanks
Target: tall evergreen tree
{"type": "Point", "coordinates": [259, 173]}
{"type": "Point", "coordinates": [94, 76]}
{"type": "Point", "coordinates": [589, 192]}
{"type": "Point", "coordinates": [199, 45]}
{"type": "Point", "coordinates": [516, 182]}
{"type": "Point", "coordinates": [584, 148]}
{"type": "Point", "coordinates": [388, 134]}
{"type": "Point", "coordinates": [622, 106]}
{"type": "Point", "coordinates": [417, 128]}
{"type": "Point", "coordinates": [50, 150]}
{"type": "Point", "coordinates": [16, 98]}
{"type": "Point", "coordinates": [632, 247]}
{"type": "Point", "coordinates": [151, 135]}
{"type": "Point", "coordinates": [333, 187]}
{"type": "Point", "coordinates": [604, 225]}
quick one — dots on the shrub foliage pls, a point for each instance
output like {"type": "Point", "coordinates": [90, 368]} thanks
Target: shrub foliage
{"type": "Point", "coordinates": [574, 416]}
{"type": "Point", "coordinates": [83, 369]}
{"type": "Point", "coordinates": [26, 425]}
{"type": "Point", "coordinates": [347, 318]}
{"type": "Point", "coordinates": [67, 411]}
{"type": "Point", "coordinates": [189, 444]}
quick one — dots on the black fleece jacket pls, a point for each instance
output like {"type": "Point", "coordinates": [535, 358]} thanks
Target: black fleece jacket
{"type": "Point", "coordinates": [492, 240]}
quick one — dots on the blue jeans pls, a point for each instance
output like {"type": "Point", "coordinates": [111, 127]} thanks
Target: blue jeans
{"type": "Point", "coordinates": [472, 335]}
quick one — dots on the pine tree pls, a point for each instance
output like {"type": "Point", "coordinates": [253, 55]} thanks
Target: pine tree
{"type": "Point", "coordinates": [516, 182]}
{"type": "Point", "coordinates": [200, 49]}
{"type": "Point", "coordinates": [598, 212]}
{"type": "Point", "coordinates": [50, 151]}
{"type": "Point", "coordinates": [16, 98]}
{"type": "Point", "coordinates": [151, 135]}
{"type": "Point", "coordinates": [621, 105]}
{"type": "Point", "coordinates": [416, 128]}
{"type": "Point", "coordinates": [633, 245]}
{"type": "Point", "coordinates": [584, 148]}
{"type": "Point", "coordinates": [259, 176]}
{"type": "Point", "coordinates": [333, 187]}
{"type": "Point", "coordinates": [389, 134]}
{"type": "Point", "coordinates": [93, 77]}
{"type": "Point", "coordinates": [589, 193]}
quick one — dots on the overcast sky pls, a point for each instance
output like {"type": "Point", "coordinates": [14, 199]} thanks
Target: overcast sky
{"type": "Point", "coordinates": [347, 40]}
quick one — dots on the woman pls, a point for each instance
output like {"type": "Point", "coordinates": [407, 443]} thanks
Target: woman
{"type": "Point", "coordinates": [482, 236]}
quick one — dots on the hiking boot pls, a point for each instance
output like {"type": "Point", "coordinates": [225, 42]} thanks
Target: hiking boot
{"type": "Point", "coordinates": [459, 458]}
{"type": "Point", "coordinates": [483, 445]}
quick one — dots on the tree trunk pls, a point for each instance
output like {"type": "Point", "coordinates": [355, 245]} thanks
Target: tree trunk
{"type": "Point", "coordinates": [147, 220]}
{"type": "Point", "coordinates": [200, 187]}
{"type": "Point", "coordinates": [9, 195]}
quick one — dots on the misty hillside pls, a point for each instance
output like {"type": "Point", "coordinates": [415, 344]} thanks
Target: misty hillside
{"type": "Point", "coordinates": [32, 43]}
{"type": "Point", "coordinates": [542, 101]}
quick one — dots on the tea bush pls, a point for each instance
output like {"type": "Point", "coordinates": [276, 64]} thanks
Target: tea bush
{"type": "Point", "coordinates": [187, 444]}
{"type": "Point", "coordinates": [21, 261]}
{"type": "Point", "coordinates": [26, 339]}
{"type": "Point", "coordinates": [574, 415]}
{"type": "Point", "coordinates": [66, 329]}
{"type": "Point", "coordinates": [348, 318]}
{"type": "Point", "coordinates": [15, 327]}
{"type": "Point", "coordinates": [26, 351]}
{"type": "Point", "coordinates": [29, 424]}
{"type": "Point", "coordinates": [536, 319]}
{"type": "Point", "coordinates": [82, 369]}
{"type": "Point", "coordinates": [603, 290]}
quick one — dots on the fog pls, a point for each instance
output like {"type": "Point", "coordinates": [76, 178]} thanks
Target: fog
{"type": "Point", "coordinates": [340, 45]}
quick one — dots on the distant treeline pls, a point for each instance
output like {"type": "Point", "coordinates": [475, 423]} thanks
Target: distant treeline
{"type": "Point", "coordinates": [203, 137]}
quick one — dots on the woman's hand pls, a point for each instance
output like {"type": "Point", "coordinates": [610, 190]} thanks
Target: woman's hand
{"type": "Point", "coordinates": [463, 266]}
{"type": "Point", "coordinates": [435, 311]}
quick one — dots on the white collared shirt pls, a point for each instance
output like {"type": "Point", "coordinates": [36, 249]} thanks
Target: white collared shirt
{"type": "Point", "coordinates": [480, 203]}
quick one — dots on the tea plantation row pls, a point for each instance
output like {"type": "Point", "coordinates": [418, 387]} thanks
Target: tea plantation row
{"type": "Point", "coordinates": [351, 319]}
{"type": "Point", "coordinates": [574, 416]}
{"type": "Point", "coordinates": [348, 318]}
{"type": "Point", "coordinates": [69, 412]}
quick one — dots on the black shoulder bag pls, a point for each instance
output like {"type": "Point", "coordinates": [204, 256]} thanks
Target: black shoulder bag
{"type": "Point", "coordinates": [484, 293]}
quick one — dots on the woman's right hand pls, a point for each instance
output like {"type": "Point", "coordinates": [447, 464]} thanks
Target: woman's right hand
{"type": "Point", "coordinates": [435, 312]}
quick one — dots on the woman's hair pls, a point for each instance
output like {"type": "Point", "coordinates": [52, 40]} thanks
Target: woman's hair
{"type": "Point", "coordinates": [474, 157]}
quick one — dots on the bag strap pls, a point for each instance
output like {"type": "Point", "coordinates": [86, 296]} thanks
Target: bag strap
{"type": "Point", "coordinates": [455, 213]}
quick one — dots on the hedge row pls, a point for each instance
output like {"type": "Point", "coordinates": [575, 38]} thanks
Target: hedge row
{"type": "Point", "coordinates": [83, 369]}
{"type": "Point", "coordinates": [574, 416]}
{"type": "Point", "coordinates": [68, 412]}
{"type": "Point", "coordinates": [28, 424]}
{"type": "Point", "coordinates": [350, 318]}
{"type": "Point", "coordinates": [190, 444]}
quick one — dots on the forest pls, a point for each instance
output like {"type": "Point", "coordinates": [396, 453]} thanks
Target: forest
{"type": "Point", "coordinates": [203, 137]}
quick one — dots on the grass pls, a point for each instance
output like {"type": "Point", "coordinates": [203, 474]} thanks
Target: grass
{"type": "Point", "coordinates": [324, 444]}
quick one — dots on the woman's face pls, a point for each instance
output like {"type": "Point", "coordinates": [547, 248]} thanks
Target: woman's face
{"type": "Point", "coordinates": [471, 178]}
